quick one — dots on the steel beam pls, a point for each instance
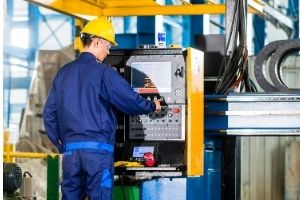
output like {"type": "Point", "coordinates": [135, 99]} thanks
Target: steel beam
{"type": "Point", "coordinates": [253, 114]}
{"type": "Point", "coordinates": [294, 11]}
{"type": "Point", "coordinates": [16, 83]}
{"type": "Point", "coordinates": [16, 52]}
{"type": "Point", "coordinates": [196, 25]}
{"type": "Point", "coordinates": [198, 9]}
{"type": "Point", "coordinates": [280, 17]}
{"type": "Point", "coordinates": [89, 10]}
{"type": "Point", "coordinates": [33, 25]}
{"type": "Point", "coordinates": [259, 26]}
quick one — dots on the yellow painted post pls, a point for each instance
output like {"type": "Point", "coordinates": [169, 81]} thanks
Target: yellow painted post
{"type": "Point", "coordinates": [8, 147]}
{"type": "Point", "coordinates": [195, 112]}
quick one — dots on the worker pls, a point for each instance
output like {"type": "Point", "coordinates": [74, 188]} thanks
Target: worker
{"type": "Point", "coordinates": [79, 115]}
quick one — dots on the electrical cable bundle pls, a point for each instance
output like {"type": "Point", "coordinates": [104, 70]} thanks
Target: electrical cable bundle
{"type": "Point", "coordinates": [235, 74]}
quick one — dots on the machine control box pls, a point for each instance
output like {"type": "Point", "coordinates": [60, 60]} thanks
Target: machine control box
{"type": "Point", "coordinates": [158, 76]}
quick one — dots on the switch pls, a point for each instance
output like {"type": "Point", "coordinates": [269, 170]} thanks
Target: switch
{"type": "Point", "coordinates": [176, 110]}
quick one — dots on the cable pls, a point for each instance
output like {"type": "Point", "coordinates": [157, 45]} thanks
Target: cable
{"type": "Point", "coordinates": [224, 64]}
{"type": "Point", "coordinates": [226, 50]}
{"type": "Point", "coordinates": [234, 72]}
{"type": "Point", "coordinates": [24, 174]}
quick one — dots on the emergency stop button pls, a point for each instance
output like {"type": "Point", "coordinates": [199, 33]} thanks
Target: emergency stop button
{"type": "Point", "coordinates": [176, 110]}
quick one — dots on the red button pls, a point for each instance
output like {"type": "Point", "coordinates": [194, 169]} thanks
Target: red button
{"type": "Point", "coordinates": [149, 159]}
{"type": "Point", "coordinates": [176, 110]}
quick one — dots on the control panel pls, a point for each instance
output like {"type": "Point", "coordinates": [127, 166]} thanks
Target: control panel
{"type": "Point", "coordinates": [158, 75]}
{"type": "Point", "coordinates": [169, 124]}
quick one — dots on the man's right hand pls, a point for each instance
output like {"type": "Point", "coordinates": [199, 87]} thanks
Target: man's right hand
{"type": "Point", "coordinates": [158, 106]}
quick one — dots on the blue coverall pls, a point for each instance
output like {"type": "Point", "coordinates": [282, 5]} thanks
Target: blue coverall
{"type": "Point", "coordinates": [80, 121]}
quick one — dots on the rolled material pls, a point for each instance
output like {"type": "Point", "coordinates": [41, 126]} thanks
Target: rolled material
{"type": "Point", "coordinates": [275, 64]}
{"type": "Point", "coordinates": [277, 51]}
{"type": "Point", "coordinates": [259, 65]}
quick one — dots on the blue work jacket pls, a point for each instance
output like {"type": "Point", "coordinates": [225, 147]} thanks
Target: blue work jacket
{"type": "Point", "coordinates": [80, 105]}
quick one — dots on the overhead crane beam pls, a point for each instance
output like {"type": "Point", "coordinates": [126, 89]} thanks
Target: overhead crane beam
{"type": "Point", "coordinates": [195, 9]}
{"type": "Point", "coordinates": [87, 9]}
{"type": "Point", "coordinates": [90, 9]}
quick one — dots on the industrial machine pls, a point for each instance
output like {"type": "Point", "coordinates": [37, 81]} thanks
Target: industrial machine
{"type": "Point", "coordinates": [16, 186]}
{"type": "Point", "coordinates": [12, 178]}
{"type": "Point", "coordinates": [164, 143]}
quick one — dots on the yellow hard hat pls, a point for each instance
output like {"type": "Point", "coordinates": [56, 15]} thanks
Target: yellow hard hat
{"type": "Point", "coordinates": [101, 28]}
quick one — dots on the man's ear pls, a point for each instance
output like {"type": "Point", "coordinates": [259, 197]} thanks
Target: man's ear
{"type": "Point", "coordinates": [95, 43]}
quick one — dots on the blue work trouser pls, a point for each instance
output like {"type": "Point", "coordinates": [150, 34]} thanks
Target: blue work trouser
{"type": "Point", "coordinates": [87, 172]}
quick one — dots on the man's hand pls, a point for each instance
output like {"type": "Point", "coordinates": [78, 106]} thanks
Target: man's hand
{"type": "Point", "coordinates": [157, 104]}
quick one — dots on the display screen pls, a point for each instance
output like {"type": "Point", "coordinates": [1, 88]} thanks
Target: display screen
{"type": "Point", "coordinates": [151, 77]}
{"type": "Point", "coordinates": [138, 152]}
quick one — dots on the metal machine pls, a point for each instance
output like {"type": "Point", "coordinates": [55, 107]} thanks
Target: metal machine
{"type": "Point", "coordinates": [12, 178]}
{"type": "Point", "coordinates": [168, 137]}
{"type": "Point", "coordinates": [16, 186]}
{"type": "Point", "coordinates": [157, 77]}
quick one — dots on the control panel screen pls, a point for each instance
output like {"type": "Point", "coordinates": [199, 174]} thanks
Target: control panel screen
{"type": "Point", "coordinates": [151, 77]}
{"type": "Point", "coordinates": [139, 151]}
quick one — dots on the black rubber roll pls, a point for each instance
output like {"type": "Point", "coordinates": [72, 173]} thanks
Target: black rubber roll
{"type": "Point", "coordinates": [259, 65]}
{"type": "Point", "coordinates": [276, 60]}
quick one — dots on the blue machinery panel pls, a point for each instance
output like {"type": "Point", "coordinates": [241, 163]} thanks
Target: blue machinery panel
{"type": "Point", "coordinates": [207, 187]}
{"type": "Point", "coordinates": [145, 34]}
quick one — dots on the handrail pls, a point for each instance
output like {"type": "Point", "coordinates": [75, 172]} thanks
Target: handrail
{"type": "Point", "coordinates": [28, 155]}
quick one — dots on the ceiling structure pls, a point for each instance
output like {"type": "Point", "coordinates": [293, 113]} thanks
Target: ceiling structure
{"type": "Point", "coordinates": [89, 9]}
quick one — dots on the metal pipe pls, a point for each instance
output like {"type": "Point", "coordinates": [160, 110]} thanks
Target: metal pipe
{"type": "Point", "coordinates": [27, 155]}
{"type": "Point", "coordinates": [8, 147]}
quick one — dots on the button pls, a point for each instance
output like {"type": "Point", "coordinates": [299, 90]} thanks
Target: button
{"type": "Point", "coordinates": [176, 110]}
{"type": "Point", "coordinates": [170, 114]}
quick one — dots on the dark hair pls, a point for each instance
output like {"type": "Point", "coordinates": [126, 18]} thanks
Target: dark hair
{"type": "Point", "coordinates": [86, 39]}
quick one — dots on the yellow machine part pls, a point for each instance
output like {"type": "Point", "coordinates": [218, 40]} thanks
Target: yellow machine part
{"type": "Point", "coordinates": [195, 112]}
{"type": "Point", "coordinates": [127, 164]}
{"type": "Point", "coordinates": [91, 9]}
{"type": "Point", "coordinates": [77, 42]}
